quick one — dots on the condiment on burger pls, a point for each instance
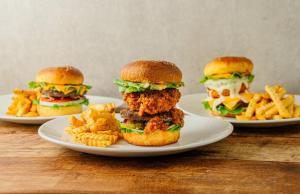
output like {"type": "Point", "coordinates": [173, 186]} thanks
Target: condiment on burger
{"type": "Point", "coordinates": [227, 81]}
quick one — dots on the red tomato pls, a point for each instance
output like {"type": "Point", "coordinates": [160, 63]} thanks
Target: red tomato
{"type": "Point", "coordinates": [56, 99]}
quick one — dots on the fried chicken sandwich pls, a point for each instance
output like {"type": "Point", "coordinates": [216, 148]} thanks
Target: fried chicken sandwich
{"type": "Point", "coordinates": [150, 90]}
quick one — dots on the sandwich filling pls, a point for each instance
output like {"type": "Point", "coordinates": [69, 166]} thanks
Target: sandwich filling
{"type": "Point", "coordinates": [150, 107]}
{"type": "Point", "coordinates": [227, 94]}
{"type": "Point", "coordinates": [167, 121]}
{"type": "Point", "coordinates": [56, 96]}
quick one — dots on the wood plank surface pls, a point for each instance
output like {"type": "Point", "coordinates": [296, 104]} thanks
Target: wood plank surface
{"type": "Point", "coordinates": [249, 161]}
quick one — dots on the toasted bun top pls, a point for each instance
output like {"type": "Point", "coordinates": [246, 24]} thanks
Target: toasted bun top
{"type": "Point", "coordinates": [60, 75]}
{"type": "Point", "coordinates": [151, 71]}
{"type": "Point", "coordinates": [228, 65]}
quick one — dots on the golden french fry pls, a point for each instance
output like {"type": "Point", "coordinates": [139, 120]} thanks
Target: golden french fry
{"type": "Point", "coordinates": [252, 105]}
{"type": "Point", "coordinates": [288, 101]}
{"type": "Point", "coordinates": [277, 117]}
{"type": "Point", "coordinates": [260, 117]}
{"type": "Point", "coordinates": [297, 111]}
{"type": "Point", "coordinates": [278, 103]}
{"type": "Point", "coordinates": [291, 108]}
{"type": "Point", "coordinates": [31, 114]}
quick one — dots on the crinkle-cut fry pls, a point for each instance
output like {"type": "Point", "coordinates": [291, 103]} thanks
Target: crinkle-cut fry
{"type": "Point", "coordinates": [94, 139]}
{"type": "Point", "coordinates": [75, 122]}
{"type": "Point", "coordinates": [289, 100]}
{"type": "Point", "coordinates": [109, 107]}
{"type": "Point", "coordinates": [252, 105]}
{"type": "Point", "coordinates": [297, 111]}
{"type": "Point", "coordinates": [76, 130]}
{"type": "Point", "coordinates": [277, 101]}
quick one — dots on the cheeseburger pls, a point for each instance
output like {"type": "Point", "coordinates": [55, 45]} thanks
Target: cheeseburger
{"type": "Point", "coordinates": [61, 91]}
{"type": "Point", "coordinates": [227, 81]}
{"type": "Point", "coordinates": [150, 90]}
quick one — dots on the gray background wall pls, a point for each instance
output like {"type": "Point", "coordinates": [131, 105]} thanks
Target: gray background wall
{"type": "Point", "coordinates": [101, 36]}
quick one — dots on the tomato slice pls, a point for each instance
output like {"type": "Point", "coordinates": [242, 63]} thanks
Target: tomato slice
{"type": "Point", "coordinates": [56, 99]}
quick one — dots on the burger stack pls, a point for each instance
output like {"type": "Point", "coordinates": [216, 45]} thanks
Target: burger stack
{"type": "Point", "coordinates": [150, 90]}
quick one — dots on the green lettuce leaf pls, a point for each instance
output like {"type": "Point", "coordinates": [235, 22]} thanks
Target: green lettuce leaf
{"type": "Point", "coordinates": [129, 87]}
{"type": "Point", "coordinates": [224, 111]}
{"type": "Point", "coordinates": [206, 105]}
{"type": "Point", "coordinates": [126, 129]}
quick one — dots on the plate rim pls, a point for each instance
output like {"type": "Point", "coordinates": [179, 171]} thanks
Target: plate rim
{"type": "Point", "coordinates": [228, 129]}
{"type": "Point", "coordinates": [235, 121]}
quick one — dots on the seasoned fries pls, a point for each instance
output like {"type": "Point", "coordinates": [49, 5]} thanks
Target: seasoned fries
{"type": "Point", "coordinates": [22, 104]}
{"type": "Point", "coordinates": [96, 126]}
{"type": "Point", "coordinates": [273, 104]}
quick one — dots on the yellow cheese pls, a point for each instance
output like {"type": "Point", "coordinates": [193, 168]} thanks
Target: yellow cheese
{"type": "Point", "coordinates": [66, 89]}
{"type": "Point", "coordinates": [231, 103]}
{"type": "Point", "coordinates": [211, 103]}
{"type": "Point", "coordinates": [225, 75]}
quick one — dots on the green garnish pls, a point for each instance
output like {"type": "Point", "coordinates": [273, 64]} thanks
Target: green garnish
{"type": "Point", "coordinates": [235, 75]}
{"type": "Point", "coordinates": [129, 87]}
{"type": "Point", "coordinates": [126, 129]}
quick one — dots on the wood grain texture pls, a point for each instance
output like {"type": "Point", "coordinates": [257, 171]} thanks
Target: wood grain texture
{"type": "Point", "coordinates": [249, 161]}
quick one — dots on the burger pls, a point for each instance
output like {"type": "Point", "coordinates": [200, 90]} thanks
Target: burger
{"type": "Point", "coordinates": [227, 81]}
{"type": "Point", "coordinates": [61, 91]}
{"type": "Point", "coordinates": [150, 90]}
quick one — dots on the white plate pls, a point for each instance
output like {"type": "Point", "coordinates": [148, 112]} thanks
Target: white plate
{"type": "Point", "coordinates": [197, 131]}
{"type": "Point", "coordinates": [193, 104]}
{"type": "Point", "coordinates": [5, 101]}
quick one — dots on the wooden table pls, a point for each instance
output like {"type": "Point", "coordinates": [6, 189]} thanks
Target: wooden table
{"type": "Point", "coordinates": [249, 161]}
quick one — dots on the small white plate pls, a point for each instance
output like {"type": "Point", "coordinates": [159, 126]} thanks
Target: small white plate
{"type": "Point", "coordinates": [5, 101]}
{"type": "Point", "coordinates": [197, 131]}
{"type": "Point", "coordinates": [193, 104]}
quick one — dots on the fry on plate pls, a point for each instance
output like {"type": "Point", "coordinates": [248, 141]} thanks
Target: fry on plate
{"type": "Point", "coordinates": [97, 126]}
{"type": "Point", "coordinates": [22, 104]}
{"type": "Point", "coordinates": [272, 104]}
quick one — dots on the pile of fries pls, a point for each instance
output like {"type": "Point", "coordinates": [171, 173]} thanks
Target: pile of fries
{"type": "Point", "coordinates": [97, 126]}
{"type": "Point", "coordinates": [22, 104]}
{"type": "Point", "coordinates": [273, 104]}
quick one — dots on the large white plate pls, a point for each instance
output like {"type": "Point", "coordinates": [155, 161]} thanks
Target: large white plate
{"type": "Point", "coordinates": [5, 101]}
{"type": "Point", "coordinates": [197, 131]}
{"type": "Point", "coordinates": [193, 104]}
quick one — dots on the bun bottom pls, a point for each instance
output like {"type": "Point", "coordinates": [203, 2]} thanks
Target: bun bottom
{"type": "Point", "coordinates": [48, 111]}
{"type": "Point", "coordinates": [157, 138]}
{"type": "Point", "coordinates": [214, 113]}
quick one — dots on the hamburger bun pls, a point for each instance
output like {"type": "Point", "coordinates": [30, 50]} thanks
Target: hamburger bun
{"type": "Point", "coordinates": [229, 65]}
{"type": "Point", "coordinates": [159, 72]}
{"type": "Point", "coordinates": [48, 111]}
{"type": "Point", "coordinates": [60, 75]}
{"type": "Point", "coordinates": [156, 138]}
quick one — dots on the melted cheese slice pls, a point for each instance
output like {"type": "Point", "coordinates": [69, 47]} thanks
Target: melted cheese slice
{"type": "Point", "coordinates": [229, 103]}
{"type": "Point", "coordinates": [66, 89]}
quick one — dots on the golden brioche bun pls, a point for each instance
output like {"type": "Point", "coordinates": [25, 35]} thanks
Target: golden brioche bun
{"type": "Point", "coordinates": [156, 138]}
{"type": "Point", "coordinates": [228, 65]}
{"type": "Point", "coordinates": [152, 72]}
{"type": "Point", "coordinates": [68, 110]}
{"type": "Point", "coordinates": [60, 75]}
